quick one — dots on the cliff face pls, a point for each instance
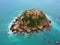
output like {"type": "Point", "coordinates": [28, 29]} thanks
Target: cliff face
{"type": "Point", "coordinates": [30, 20]}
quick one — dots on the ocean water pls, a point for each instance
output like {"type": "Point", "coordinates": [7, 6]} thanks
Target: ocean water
{"type": "Point", "coordinates": [9, 9]}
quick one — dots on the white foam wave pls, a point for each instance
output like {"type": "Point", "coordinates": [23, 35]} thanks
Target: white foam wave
{"type": "Point", "coordinates": [49, 17]}
{"type": "Point", "coordinates": [10, 33]}
{"type": "Point", "coordinates": [54, 25]}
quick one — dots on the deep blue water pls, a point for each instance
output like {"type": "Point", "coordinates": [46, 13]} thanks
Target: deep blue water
{"type": "Point", "coordinates": [11, 8]}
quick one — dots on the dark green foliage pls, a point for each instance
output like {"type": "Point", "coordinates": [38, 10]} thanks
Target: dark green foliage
{"type": "Point", "coordinates": [33, 22]}
{"type": "Point", "coordinates": [25, 17]}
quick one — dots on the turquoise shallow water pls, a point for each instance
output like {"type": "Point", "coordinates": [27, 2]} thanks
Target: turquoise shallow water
{"type": "Point", "coordinates": [11, 8]}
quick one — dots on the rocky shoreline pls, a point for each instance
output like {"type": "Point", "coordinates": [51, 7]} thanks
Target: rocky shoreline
{"type": "Point", "coordinates": [29, 21]}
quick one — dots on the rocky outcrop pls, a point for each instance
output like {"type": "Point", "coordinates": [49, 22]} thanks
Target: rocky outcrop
{"type": "Point", "coordinates": [29, 21]}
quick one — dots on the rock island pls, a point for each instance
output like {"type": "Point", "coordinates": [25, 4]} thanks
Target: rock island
{"type": "Point", "coordinates": [29, 21]}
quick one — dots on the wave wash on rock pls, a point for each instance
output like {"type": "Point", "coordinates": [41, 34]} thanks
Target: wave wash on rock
{"type": "Point", "coordinates": [29, 21]}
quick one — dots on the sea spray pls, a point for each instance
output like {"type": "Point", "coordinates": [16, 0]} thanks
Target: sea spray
{"type": "Point", "coordinates": [10, 33]}
{"type": "Point", "coordinates": [53, 23]}
{"type": "Point", "coordinates": [26, 35]}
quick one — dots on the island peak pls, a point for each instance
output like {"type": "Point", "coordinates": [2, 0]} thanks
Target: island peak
{"type": "Point", "coordinates": [29, 21]}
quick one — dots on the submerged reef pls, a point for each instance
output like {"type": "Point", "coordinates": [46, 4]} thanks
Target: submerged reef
{"type": "Point", "coordinates": [29, 21]}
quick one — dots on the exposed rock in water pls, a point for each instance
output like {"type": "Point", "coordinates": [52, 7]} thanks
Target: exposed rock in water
{"type": "Point", "coordinates": [50, 42]}
{"type": "Point", "coordinates": [57, 42]}
{"type": "Point", "coordinates": [29, 21]}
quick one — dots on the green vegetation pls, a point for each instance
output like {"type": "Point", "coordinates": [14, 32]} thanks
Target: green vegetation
{"type": "Point", "coordinates": [33, 22]}
{"type": "Point", "coordinates": [30, 20]}
{"type": "Point", "coordinates": [25, 17]}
